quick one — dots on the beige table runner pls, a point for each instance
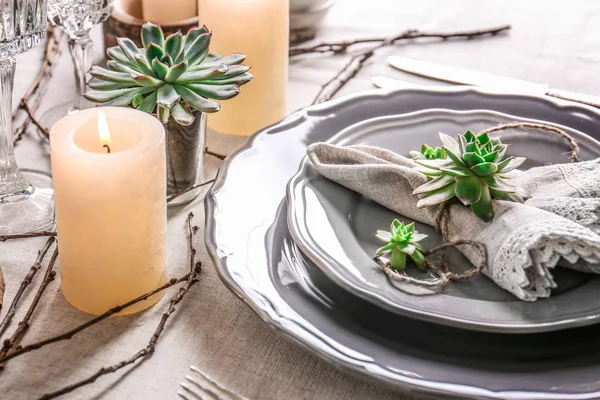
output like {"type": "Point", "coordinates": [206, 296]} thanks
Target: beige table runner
{"type": "Point", "coordinates": [554, 42]}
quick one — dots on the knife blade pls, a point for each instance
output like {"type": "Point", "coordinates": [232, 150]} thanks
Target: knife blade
{"type": "Point", "coordinates": [391, 83]}
{"type": "Point", "coordinates": [487, 80]}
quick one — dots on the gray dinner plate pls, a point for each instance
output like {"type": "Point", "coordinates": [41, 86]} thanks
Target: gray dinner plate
{"type": "Point", "coordinates": [335, 227]}
{"type": "Point", "coordinates": [249, 242]}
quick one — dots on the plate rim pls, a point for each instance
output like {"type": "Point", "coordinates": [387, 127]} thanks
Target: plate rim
{"type": "Point", "coordinates": [318, 255]}
{"type": "Point", "coordinates": [268, 313]}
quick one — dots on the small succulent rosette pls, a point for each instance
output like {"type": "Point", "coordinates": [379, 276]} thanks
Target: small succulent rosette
{"type": "Point", "coordinates": [402, 241]}
{"type": "Point", "coordinates": [172, 76]}
{"type": "Point", "coordinates": [474, 172]}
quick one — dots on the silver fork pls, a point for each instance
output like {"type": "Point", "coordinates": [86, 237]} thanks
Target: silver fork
{"type": "Point", "coordinates": [201, 386]}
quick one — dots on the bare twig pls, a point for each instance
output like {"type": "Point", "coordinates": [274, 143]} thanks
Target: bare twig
{"type": "Point", "coordinates": [188, 189]}
{"type": "Point", "coordinates": [24, 324]}
{"type": "Point", "coordinates": [332, 47]}
{"type": "Point", "coordinates": [215, 154]}
{"type": "Point", "coordinates": [69, 334]}
{"type": "Point", "coordinates": [39, 85]}
{"type": "Point", "coordinates": [357, 61]}
{"type": "Point", "coordinates": [148, 351]}
{"type": "Point", "coordinates": [4, 238]}
{"type": "Point", "coordinates": [26, 282]}
{"type": "Point", "coordinates": [32, 118]}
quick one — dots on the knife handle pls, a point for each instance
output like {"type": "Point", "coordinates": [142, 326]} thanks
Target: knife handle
{"type": "Point", "coordinates": [590, 100]}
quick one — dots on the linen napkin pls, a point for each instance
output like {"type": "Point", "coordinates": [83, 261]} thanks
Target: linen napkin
{"type": "Point", "coordinates": [524, 243]}
{"type": "Point", "coordinates": [569, 190]}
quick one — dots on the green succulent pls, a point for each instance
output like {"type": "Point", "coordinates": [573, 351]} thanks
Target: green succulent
{"type": "Point", "coordinates": [175, 75]}
{"type": "Point", "coordinates": [474, 173]}
{"type": "Point", "coordinates": [428, 153]}
{"type": "Point", "coordinates": [402, 240]}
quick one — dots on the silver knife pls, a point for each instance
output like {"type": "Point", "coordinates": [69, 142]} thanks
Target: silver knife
{"type": "Point", "coordinates": [483, 79]}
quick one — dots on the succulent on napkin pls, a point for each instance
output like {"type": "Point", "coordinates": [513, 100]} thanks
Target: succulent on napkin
{"type": "Point", "coordinates": [473, 172]}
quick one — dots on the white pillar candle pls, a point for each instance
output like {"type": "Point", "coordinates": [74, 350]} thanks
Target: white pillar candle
{"type": "Point", "coordinates": [110, 207]}
{"type": "Point", "coordinates": [259, 29]}
{"type": "Point", "coordinates": [162, 11]}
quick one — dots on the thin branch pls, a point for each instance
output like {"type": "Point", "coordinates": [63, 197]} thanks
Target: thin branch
{"type": "Point", "coordinates": [4, 238]}
{"type": "Point", "coordinates": [24, 324]}
{"type": "Point", "coordinates": [32, 118]}
{"type": "Point", "coordinates": [358, 60]}
{"type": "Point", "coordinates": [39, 85]}
{"type": "Point", "coordinates": [26, 282]}
{"type": "Point", "coordinates": [343, 46]}
{"type": "Point", "coordinates": [188, 189]}
{"type": "Point", "coordinates": [215, 154]}
{"type": "Point", "coordinates": [148, 351]}
{"type": "Point", "coordinates": [69, 334]}
{"type": "Point", "coordinates": [332, 47]}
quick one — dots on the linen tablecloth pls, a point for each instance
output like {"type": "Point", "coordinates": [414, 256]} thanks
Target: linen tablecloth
{"type": "Point", "coordinates": [554, 42]}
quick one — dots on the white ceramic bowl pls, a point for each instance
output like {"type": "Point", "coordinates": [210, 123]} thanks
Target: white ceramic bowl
{"type": "Point", "coordinates": [303, 18]}
{"type": "Point", "coordinates": [302, 5]}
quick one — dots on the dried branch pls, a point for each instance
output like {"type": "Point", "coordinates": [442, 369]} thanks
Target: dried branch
{"type": "Point", "coordinates": [24, 324]}
{"type": "Point", "coordinates": [69, 334]}
{"type": "Point", "coordinates": [26, 282]}
{"type": "Point", "coordinates": [39, 85]}
{"type": "Point", "coordinates": [215, 154]}
{"type": "Point", "coordinates": [148, 351]}
{"type": "Point", "coordinates": [343, 46]}
{"type": "Point", "coordinates": [358, 60]}
{"type": "Point", "coordinates": [4, 238]}
{"type": "Point", "coordinates": [32, 118]}
{"type": "Point", "coordinates": [188, 189]}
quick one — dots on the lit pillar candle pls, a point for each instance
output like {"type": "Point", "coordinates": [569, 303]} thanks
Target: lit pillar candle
{"type": "Point", "coordinates": [259, 29]}
{"type": "Point", "coordinates": [109, 174]}
{"type": "Point", "coordinates": [162, 11]}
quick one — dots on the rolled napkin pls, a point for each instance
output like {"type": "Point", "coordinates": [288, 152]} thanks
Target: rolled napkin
{"type": "Point", "coordinates": [585, 212]}
{"type": "Point", "coordinates": [524, 243]}
{"type": "Point", "coordinates": [578, 179]}
{"type": "Point", "coordinates": [570, 190]}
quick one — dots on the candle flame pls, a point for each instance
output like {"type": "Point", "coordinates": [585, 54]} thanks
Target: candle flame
{"type": "Point", "coordinates": [103, 131]}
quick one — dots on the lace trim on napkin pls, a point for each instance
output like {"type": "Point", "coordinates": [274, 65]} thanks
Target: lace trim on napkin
{"type": "Point", "coordinates": [584, 211]}
{"type": "Point", "coordinates": [522, 264]}
{"type": "Point", "coordinates": [583, 176]}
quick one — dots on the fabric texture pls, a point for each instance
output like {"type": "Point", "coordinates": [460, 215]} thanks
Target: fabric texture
{"type": "Point", "coordinates": [524, 243]}
{"type": "Point", "coordinates": [212, 328]}
{"type": "Point", "coordinates": [570, 190]}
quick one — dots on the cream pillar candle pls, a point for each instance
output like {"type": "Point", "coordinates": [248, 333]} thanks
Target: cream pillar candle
{"type": "Point", "coordinates": [110, 207]}
{"type": "Point", "coordinates": [260, 29]}
{"type": "Point", "coordinates": [163, 11]}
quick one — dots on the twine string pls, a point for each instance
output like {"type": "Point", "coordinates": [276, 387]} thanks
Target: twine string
{"type": "Point", "coordinates": [440, 270]}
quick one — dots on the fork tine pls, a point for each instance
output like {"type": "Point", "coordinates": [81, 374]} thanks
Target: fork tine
{"type": "Point", "coordinates": [195, 391]}
{"type": "Point", "coordinates": [208, 388]}
{"type": "Point", "coordinates": [214, 383]}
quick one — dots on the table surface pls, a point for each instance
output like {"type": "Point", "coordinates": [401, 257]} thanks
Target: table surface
{"type": "Point", "coordinates": [553, 42]}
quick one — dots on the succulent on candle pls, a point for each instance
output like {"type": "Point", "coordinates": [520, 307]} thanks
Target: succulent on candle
{"type": "Point", "coordinates": [172, 76]}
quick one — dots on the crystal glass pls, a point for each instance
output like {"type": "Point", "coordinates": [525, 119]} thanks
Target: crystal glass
{"type": "Point", "coordinates": [26, 199]}
{"type": "Point", "coordinates": [77, 18]}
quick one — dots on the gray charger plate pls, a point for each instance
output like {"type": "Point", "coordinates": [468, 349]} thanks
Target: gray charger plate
{"type": "Point", "coordinates": [335, 227]}
{"type": "Point", "coordinates": [248, 240]}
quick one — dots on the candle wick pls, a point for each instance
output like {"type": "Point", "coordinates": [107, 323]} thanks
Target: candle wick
{"type": "Point", "coordinates": [107, 148]}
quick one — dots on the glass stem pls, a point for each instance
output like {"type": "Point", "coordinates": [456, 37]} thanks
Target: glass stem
{"type": "Point", "coordinates": [11, 180]}
{"type": "Point", "coordinates": [81, 54]}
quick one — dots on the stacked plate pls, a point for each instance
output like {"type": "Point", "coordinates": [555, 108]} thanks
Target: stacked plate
{"type": "Point", "coordinates": [298, 249]}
